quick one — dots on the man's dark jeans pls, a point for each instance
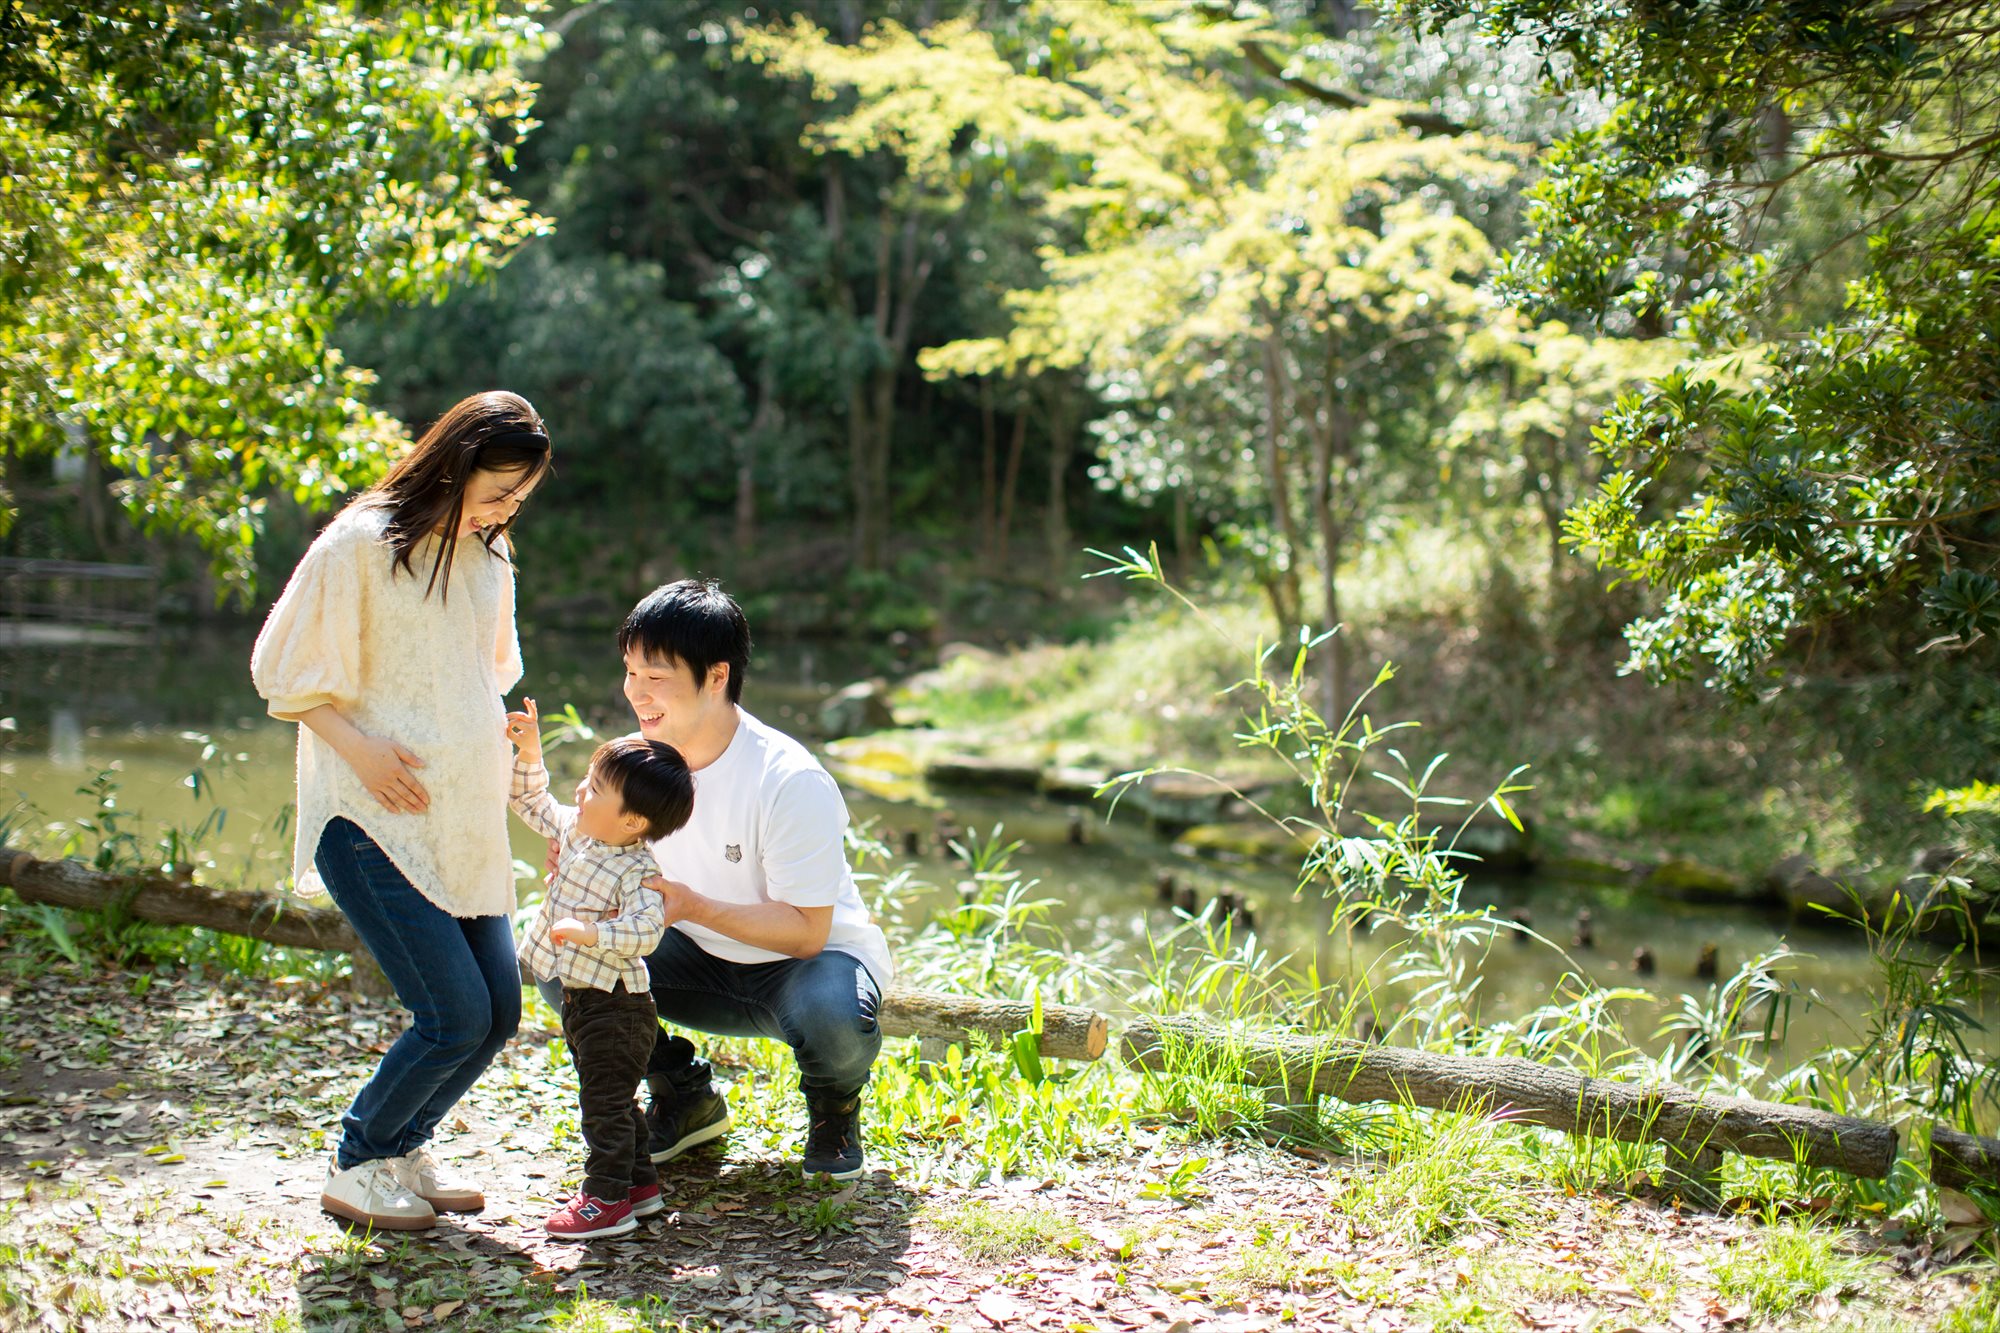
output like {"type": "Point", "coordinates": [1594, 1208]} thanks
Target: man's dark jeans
{"type": "Point", "coordinates": [457, 977]}
{"type": "Point", "coordinates": [823, 1007]}
{"type": "Point", "coordinates": [610, 1034]}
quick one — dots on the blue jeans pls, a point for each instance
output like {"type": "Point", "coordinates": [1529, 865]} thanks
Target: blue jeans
{"type": "Point", "coordinates": [457, 977]}
{"type": "Point", "coordinates": [823, 1007]}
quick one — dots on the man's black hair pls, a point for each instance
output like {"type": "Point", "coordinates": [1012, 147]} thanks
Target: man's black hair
{"type": "Point", "coordinates": [651, 779]}
{"type": "Point", "coordinates": [694, 622]}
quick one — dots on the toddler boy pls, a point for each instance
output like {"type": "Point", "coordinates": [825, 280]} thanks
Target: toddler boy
{"type": "Point", "coordinates": [596, 925]}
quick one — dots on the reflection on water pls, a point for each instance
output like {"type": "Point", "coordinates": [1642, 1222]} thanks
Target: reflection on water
{"type": "Point", "coordinates": [65, 739]}
{"type": "Point", "coordinates": [150, 713]}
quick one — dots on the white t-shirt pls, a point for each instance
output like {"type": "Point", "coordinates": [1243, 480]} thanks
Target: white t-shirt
{"type": "Point", "coordinates": [767, 827]}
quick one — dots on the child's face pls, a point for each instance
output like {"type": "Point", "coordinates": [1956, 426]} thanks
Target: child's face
{"type": "Point", "coordinates": [601, 814]}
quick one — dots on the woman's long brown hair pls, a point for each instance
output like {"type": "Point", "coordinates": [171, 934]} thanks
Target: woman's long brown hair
{"type": "Point", "coordinates": [424, 492]}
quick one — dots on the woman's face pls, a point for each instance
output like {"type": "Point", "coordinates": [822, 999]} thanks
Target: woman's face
{"type": "Point", "coordinates": [492, 499]}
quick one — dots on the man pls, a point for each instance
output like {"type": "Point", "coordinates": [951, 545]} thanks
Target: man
{"type": "Point", "coordinates": [768, 935]}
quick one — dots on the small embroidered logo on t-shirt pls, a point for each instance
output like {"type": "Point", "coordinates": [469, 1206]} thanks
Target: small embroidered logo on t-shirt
{"type": "Point", "coordinates": [733, 852]}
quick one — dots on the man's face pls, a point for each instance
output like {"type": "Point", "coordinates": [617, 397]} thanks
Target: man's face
{"type": "Point", "coordinates": [663, 694]}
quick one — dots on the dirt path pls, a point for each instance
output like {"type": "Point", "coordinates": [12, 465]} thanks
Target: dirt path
{"type": "Point", "coordinates": [162, 1143]}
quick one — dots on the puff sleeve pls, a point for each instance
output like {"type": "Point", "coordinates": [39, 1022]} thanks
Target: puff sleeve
{"type": "Point", "coordinates": [507, 668]}
{"type": "Point", "coordinates": [309, 651]}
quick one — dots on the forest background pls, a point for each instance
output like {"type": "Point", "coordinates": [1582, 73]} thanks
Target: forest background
{"type": "Point", "coordinates": [1628, 379]}
{"type": "Point", "coordinates": [1626, 373]}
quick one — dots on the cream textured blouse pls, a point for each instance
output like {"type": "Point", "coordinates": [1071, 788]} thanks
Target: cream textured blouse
{"type": "Point", "coordinates": [428, 672]}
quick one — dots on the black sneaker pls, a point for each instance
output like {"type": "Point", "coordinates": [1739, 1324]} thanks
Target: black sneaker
{"type": "Point", "coordinates": [833, 1142]}
{"type": "Point", "coordinates": [678, 1120]}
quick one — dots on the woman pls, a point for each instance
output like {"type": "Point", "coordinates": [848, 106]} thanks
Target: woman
{"type": "Point", "coordinates": [391, 648]}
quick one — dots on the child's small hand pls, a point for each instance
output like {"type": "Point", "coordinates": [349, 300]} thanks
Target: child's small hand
{"type": "Point", "coordinates": [525, 730]}
{"type": "Point", "coordinates": [571, 931]}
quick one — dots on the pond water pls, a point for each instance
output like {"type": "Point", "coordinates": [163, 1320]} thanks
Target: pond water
{"type": "Point", "coordinates": [147, 713]}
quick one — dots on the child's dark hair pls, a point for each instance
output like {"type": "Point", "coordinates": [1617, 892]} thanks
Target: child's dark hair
{"type": "Point", "coordinates": [651, 779]}
{"type": "Point", "coordinates": [697, 624]}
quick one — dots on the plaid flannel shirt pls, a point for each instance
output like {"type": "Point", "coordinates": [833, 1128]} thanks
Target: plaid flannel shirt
{"type": "Point", "coordinates": [593, 881]}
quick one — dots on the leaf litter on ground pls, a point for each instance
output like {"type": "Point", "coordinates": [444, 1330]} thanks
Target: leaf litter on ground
{"type": "Point", "coordinates": [160, 1165]}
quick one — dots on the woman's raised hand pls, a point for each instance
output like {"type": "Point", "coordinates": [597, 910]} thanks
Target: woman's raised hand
{"type": "Point", "coordinates": [384, 767]}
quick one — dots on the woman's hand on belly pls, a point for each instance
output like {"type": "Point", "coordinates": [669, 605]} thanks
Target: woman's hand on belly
{"type": "Point", "coordinates": [383, 765]}
{"type": "Point", "coordinates": [386, 769]}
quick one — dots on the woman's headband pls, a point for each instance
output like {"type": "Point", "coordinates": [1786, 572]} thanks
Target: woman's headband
{"type": "Point", "coordinates": [515, 437]}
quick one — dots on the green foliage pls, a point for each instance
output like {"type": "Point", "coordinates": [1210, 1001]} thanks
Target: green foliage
{"type": "Point", "coordinates": [1808, 191]}
{"type": "Point", "coordinates": [594, 344]}
{"type": "Point", "coordinates": [191, 196]}
{"type": "Point", "coordinates": [1264, 291]}
{"type": "Point", "coordinates": [1180, 1184]}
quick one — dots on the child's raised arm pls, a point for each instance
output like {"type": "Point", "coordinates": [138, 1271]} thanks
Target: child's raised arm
{"type": "Point", "coordinates": [528, 793]}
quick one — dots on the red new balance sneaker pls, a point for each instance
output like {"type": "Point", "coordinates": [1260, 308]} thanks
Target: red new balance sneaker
{"type": "Point", "coordinates": [587, 1217]}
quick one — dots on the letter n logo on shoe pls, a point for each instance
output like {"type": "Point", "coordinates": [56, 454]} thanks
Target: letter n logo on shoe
{"type": "Point", "coordinates": [589, 1211]}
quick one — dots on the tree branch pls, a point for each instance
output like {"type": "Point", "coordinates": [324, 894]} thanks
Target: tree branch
{"type": "Point", "coordinates": [1422, 122]}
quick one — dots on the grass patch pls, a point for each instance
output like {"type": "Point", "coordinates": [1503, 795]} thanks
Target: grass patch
{"type": "Point", "coordinates": [1276, 1259]}
{"type": "Point", "coordinates": [990, 1235]}
{"type": "Point", "coordinates": [1980, 1313]}
{"type": "Point", "coordinates": [1789, 1263]}
{"type": "Point", "coordinates": [1441, 1175]}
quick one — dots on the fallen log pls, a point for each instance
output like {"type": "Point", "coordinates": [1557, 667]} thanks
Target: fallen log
{"type": "Point", "coordinates": [1964, 1161]}
{"type": "Point", "coordinates": [178, 902]}
{"type": "Point", "coordinates": [1068, 1032]}
{"type": "Point", "coordinates": [1696, 1126]}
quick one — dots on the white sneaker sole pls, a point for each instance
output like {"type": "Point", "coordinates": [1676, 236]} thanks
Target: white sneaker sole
{"type": "Point", "coordinates": [855, 1174]}
{"type": "Point", "coordinates": [694, 1140]}
{"type": "Point", "coordinates": [652, 1209]}
{"type": "Point", "coordinates": [347, 1212]}
{"type": "Point", "coordinates": [471, 1201]}
{"type": "Point", "coordinates": [621, 1228]}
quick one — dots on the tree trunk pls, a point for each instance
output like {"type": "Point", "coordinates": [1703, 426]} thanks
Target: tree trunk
{"type": "Point", "coordinates": [747, 441]}
{"type": "Point", "coordinates": [989, 473]}
{"type": "Point", "coordinates": [1335, 698]}
{"type": "Point", "coordinates": [1183, 536]}
{"type": "Point", "coordinates": [1519, 1091]}
{"type": "Point", "coordinates": [97, 502]}
{"type": "Point", "coordinates": [1068, 1032]}
{"type": "Point", "coordinates": [1017, 445]}
{"type": "Point", "coordinates": [1332, 449]}
{"type": "Point", "coordinates": [1055, 518]}
{"type": "Point", "coordinates": [904, 257]}
{"type": "Point", "coordinates": [871, 416]}
{"type": "Point", "coordinates": [1282, 584]}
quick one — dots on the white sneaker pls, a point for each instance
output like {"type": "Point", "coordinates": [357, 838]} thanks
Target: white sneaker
{"type": "Point", "coordinates": [372, 1195]}
{"type": "Point", "coordinates": [444, 1190]}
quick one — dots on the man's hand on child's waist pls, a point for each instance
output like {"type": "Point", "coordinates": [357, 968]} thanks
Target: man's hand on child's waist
{"type": "Point", "coordinates": [679, 898]}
